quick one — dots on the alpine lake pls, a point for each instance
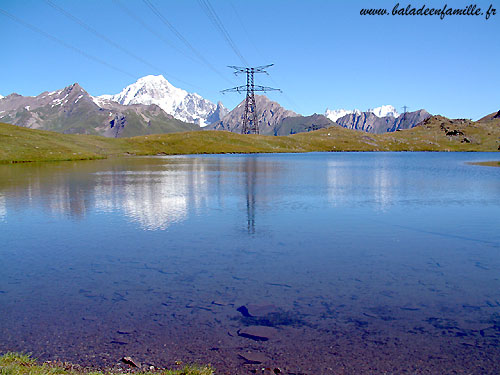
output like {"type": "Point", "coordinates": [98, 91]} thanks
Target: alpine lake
{"type": "Point", "coordinates": [319, 263]}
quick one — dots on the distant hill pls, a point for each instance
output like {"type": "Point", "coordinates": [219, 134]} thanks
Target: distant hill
{"type": "Point", "coordinates": [73, 111]}
{"type": "Point", "coordinates": [491, 116]}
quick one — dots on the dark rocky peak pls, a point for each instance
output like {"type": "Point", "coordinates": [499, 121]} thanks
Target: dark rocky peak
{"type": "Point", "coordinates": [217, 115]}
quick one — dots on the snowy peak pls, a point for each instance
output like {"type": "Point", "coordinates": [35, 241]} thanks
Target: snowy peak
{"type": "Point", "coordinates": [382, 111]}
{"type": "Point", "coordinates": [335, 114]}
{"type": "Point", "coordinates": [151, 90]}
{"type": "Point", "coordinates": [1, 97]}
{"type": "Point", "coordinates": [188, 107]}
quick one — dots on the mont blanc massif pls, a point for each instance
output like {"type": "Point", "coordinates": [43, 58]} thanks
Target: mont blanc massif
{"type": "Point", "coordinates": [153, 105]}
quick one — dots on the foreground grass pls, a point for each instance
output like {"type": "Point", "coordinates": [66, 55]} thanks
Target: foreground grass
{"type": "Point", "coordinates": [20, 364]}
{"type": "Point", "coordinates": [18, 144]}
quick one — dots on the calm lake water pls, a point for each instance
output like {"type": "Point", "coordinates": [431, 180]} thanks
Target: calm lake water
{"type": "Point", "coordinates": [354, 262]}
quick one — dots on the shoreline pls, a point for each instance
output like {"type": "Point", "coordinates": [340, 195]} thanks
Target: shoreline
{"type": "Point", "coordinates": [14, 363]}
{"type": "Point", "coordinates": [493, 163]}
{"type": "Point", "coordinates": [483, 163]}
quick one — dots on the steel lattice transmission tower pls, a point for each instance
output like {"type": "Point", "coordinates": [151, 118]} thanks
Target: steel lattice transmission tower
{"type": "Point", "coordinates": [250, 123]}
{"type": "Point", "coordinates": [404, 114]}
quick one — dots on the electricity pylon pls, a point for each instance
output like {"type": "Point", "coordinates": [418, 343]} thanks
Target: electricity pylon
{"type": "Point", "coordinates": [250, 123]}
{"type": "Point", "coordinates": [404, 113]}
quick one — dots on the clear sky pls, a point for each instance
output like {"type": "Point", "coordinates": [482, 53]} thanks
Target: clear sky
{"type": "Point", "coordinates": [325, 53]}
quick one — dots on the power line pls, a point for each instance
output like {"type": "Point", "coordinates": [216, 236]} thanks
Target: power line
{"type": "Point", "coordinates": [216, 21]}
{"type": "Point", "coordinates": [63, 43]}
{"type": "Point", "coordinates": [212, 15]}
{"type": "Point", "coordinates": [109, 41]}
{"type": "Point", "coordinates": [182, 38]}
{"type": "Point", "coordinates": [151, 30]}
{"type": "Point", "coordinates": [287, 98]}
{"type": "Point", "coordinates": [242, 24]}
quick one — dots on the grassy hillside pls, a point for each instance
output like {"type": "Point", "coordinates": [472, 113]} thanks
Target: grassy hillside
{"type": "Point", "coordinates": [18, 144]}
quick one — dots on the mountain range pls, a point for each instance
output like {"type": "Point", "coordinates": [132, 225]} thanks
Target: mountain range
{"type": "Point", "coordinates": [371, 123]}
{"type": "Point", "coordinates": [383, 111]}
{"type": "Point", "coordinates": [153, 105]}
{"type": "Point", "coordinates": [73, 111]}
{"type": "Point", "coordinates": [276, 120]}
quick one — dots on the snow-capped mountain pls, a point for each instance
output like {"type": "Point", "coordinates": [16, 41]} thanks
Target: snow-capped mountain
{"type": "Point", "coordinates": [188, 107]}
{"type": "Point", "coordinates": [335, 114]}
{"type": "Point", "coordinates": [1, 97]}
{"type": "Point", "coordinates": [382, 111]}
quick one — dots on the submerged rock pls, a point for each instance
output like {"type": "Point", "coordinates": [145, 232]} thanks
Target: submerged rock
{"type": "Point", "coordinates": [257, 333]}
{"type": "Point", "coordinates": [253, 357]}
{"type": "Point", "coordinates": [257, 310]}
{"type": "Point", "coordinates": [129, 361]}
{"type": "Point", "coordinates": [124, 330]}
{"type": "Point", "coordinates": [244, 311]}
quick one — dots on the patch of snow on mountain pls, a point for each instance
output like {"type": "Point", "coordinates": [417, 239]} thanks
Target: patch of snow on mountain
{"type": "Point", "coordinates": [101, 100]}
{"type": "Point", "coordinates": [384, 111]}
{"type": "Point", "coordinates": [335, 114]}
{"type": "Point", "coordinates": [1, 97]}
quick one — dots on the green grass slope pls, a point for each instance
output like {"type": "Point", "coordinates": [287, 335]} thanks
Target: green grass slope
{"type": "Point", "coordinates": [18, 144]}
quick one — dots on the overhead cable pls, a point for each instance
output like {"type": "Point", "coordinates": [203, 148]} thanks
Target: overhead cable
{"type": "Point", "coordinates": [183, 39]}
{"type": "Point", "coordinates": [111, 42]}
{"type": "Point", "coordinates": [216, 21]}
{"type": "Point", "coordinates": [63, 43]}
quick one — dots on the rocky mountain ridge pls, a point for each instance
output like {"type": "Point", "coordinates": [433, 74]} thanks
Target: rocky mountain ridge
{"type": "Point", "coordinates": [369, 122]}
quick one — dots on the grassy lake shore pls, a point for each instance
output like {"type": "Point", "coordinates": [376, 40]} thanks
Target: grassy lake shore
{"type": "Point", "coordinates": [18, 144]}
{"type": "Point", "coordinates": [487, 163]}
{"type": "Point", "coordinates": [20, 364]}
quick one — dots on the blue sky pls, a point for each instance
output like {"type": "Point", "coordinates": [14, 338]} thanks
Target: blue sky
{"type": "Point", "coordinates": [325, 53]}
